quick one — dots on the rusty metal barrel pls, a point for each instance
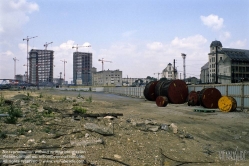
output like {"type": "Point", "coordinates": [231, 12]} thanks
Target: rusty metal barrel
{"type": "Point", "coordinates": [149, 91]}
{"type": "Point", "coordinates": [158, 86]}
{"type": "Point", "coordinates": [192, 98]}
{"type": "Point", "coordinates": [162, 101]}
{"type": "Point", "coordinates": [175, 90]}
{"type": "Point", "coordinates": [227, 104]}
{"type": "Point", "coordinates": [209, 97]}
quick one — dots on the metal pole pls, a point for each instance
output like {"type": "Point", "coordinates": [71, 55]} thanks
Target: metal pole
{"type": "Point", "coordinates": [216, 70]}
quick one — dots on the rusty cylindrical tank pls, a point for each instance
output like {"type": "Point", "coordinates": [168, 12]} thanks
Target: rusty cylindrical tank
{"type": "Point", "coordinates": [162, 101]}
{"type": "Point", "coordinates": [149, 91]}
{"type": "Point", "coordinates": [192, 98]}
{"type": "Point", "coordinates": [227, 104]}
{"type": "Point", "coordinates": [158, 86]}
{"type": "Point", "coordinates": [209, 97]}
{"type": "Point", "coordinates": [175, 90]}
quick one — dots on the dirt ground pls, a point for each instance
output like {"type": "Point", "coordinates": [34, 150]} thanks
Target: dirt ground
{"type": "Point", "coordinates": [144, 136]}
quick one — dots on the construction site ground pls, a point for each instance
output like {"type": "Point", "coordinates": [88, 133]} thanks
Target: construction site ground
{"type": "Point", "coordinates": [146, 135]}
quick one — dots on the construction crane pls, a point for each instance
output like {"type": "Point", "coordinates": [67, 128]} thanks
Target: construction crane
{"type": "Point", "coordinates": [15, 67]}
{"type": "Point", "coordinates": [77, 47]}
{"type": "Point", "coordinates": [28, 55]}
{"type": "Point", "coordinates": [102, 60]}
{"type": "Point", "coordinates": [64, 68]}
{"type": "Point", "coordinates": [46, 45]}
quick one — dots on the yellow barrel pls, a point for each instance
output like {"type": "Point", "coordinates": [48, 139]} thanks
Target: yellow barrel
{"type": "Point", "coordinates": [227, 104]}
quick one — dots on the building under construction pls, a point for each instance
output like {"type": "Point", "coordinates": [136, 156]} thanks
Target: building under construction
{"type": "Point", "coordinates": [82, 68]}
{"type": "Point", "coordinates": [41, 65]}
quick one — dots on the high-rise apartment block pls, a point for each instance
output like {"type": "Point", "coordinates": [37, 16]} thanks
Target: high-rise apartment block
{"type": "Point", "coordinates": [41, 63]}
{"type": "Point", "coordinates": [82, 68]}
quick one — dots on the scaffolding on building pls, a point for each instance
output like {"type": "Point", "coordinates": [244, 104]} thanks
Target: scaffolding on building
{"type": "Point", "coordinates": [41, 67]}
{"type": "Point", "coordinates": [82, 68]}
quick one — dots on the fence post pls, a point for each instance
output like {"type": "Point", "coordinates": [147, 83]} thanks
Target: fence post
{"type": "Point", "coordinates": [226, 89]}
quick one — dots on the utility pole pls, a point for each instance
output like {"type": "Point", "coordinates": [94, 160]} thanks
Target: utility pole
{"type": "Point", "coordinates": [15, 67]}
{"type": "Point", "coordinates": [216, 70]}
{"type": "Point", "coordinates": [174, 69]}
{"type": "Point", "coordinates": [60, 78]}
{"type": "Point", "coordinates": [28, 55]}
{"type": "Point", "coordinates": [46, 45]}
{"type": "Point", "coordinates": [64, 69]}
{"type": "Point", "coordinates": [157, 75]}
{"type": "Point", "coordinates": [102, 60]}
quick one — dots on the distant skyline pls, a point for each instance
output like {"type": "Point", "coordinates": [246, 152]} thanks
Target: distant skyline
{"type": "Point", "coordinates": [140, 37]}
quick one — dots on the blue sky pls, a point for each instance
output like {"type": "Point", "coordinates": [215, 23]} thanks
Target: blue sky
{"type": "Point", "coordinates": [140, 37]}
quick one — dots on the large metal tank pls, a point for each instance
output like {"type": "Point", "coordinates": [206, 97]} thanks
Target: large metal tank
{"type": "Point", "coordinates": [175, 90]}
{"type": "Point", "coordinates": [209, 97]}
{"type": "Point", "coordinates": [227, 104]}
{"type": "Point", "coordinates": [149, 91]}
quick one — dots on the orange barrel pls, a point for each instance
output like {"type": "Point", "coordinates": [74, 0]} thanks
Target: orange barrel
{"type": "Point", "coordinates": [192, 98]}
{"type": "Point", "coordinates": [209, 97]}
{"type": "Point", "coordinates": [227, 104]}
{"type": "Point", "coordinates": [149, 91]}
{"type": "Point", "coordinates": [162, 101]}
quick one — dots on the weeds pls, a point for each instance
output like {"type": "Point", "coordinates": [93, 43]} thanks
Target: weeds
{"type": "Point", "coordinates": [21, 131]}
{"type": "Point", "coordinates": [14, 114]}
{"type": "Point", "coordinates": [89, 99]}
{"type": "Point", "coordinates": [1, 99]}
{"type": "Point", "coordinates": [47, 129]}
{"type": "Point", "coordinates": [79, 110]}
{"type": "Point", "coordinates": [64, 98]}
{"type": "Point", "coordinates": [3, 134]}
{"type": "Point", "coordinates": [40, 95]}
{"type": "Point", "coordinates": [79, 96]}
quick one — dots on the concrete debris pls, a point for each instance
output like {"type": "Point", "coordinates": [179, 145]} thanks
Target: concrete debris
{"type": "Point", "coordinates": [153, 128]}
{"type": "Point", "coordinates": [150, 122]}
{"type": "Point", "coordinates": [87, 135]}
{"type": "Point", "coordinates": [189, 136]}
{"type": "Point", "coordinates": [244, 133]}
{"type": "Point", "coordinates": [117, 156]}
{"type": "Point", "coordinates": [109, 117]}
{"type": "Point", "coordinates": [164, 127]}
{"type": "Point", "coordinates": [86, 142]}
{"type": "Point", "coordinates": [103, 130]}
{"type": "Point", "coordinates": [173, 127]}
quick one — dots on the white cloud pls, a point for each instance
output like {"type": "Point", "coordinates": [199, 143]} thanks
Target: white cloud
{"type": "Point", "coordinates": [155, 46]}
{"type": "Point", "coordinates": [14, 14]}
{"type": "Point", "coordinates": [212, 21]}
{"type": "Point", "coordinates": [143, 59]}
{"type": "Point", "coordinates": [240, 44]}
{"type": "Point", "coordinates": [224, 35]}
{"type": "Point", "coordinates": [191, 42]}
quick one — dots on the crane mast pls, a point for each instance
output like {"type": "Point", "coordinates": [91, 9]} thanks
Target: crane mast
{"type": "Point", "coordinates": [46, 45]}
{"type": "Point", "coordinates": [102, 60]}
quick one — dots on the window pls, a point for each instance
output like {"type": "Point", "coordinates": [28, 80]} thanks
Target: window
{"type": "Point", "coordinates": [220, 58]}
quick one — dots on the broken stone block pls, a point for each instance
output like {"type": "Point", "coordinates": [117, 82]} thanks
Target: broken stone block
{"type": "Point", "coordinates": [173, 127]}
{"type": "Point", "coordinates": [153, 128]}
{"type": "Point", "coordinates": [164, 127]}
{"type": "Point", "coordinates": [103, 130]}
